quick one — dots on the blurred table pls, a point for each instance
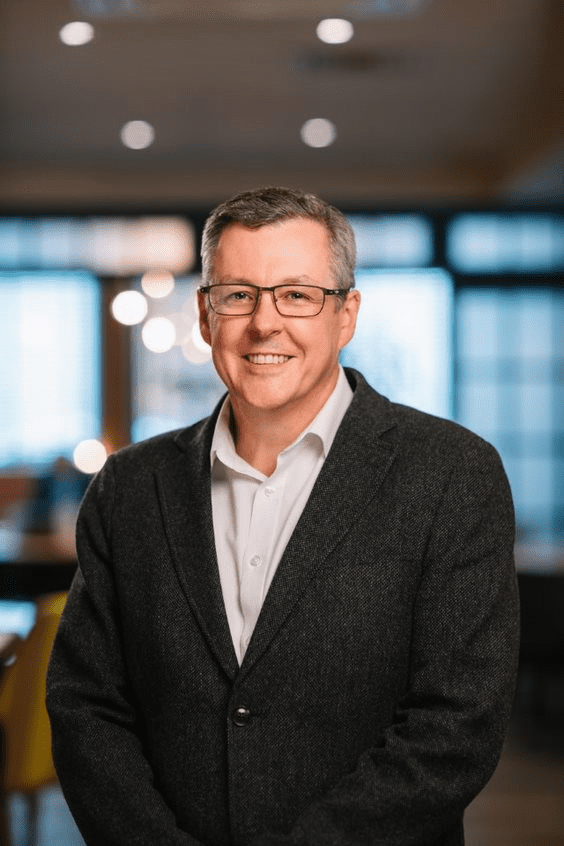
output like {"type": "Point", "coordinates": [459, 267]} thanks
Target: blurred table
{"type": "Point", "coordinates": [35, 565]}
{"type": "Point", "coordinates": [29, 579]}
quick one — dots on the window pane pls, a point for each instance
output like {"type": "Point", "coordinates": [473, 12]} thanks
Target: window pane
{"type": "Point", "coordinates": [17, 617]}
{"type": "Point", "coordinates": [115, 246]}
{"type": "Point", "coordinates": [496, 243]}
{"type": "Point", "coordinates": [537, 481]}
{"type": "Point", "coordinates": [478, 407]}
{"type": "Point", "coordinates": [392, 240]}
{"type": "Point", "coordinates": [179, 386]}
{"type": "Point", "coordinates": [403, 342]}
{"type": "Point", "coordinates": [477, 314]}
{"type": "Point", "coordinates": [537, 320]}
{"type": "Point", "coordinates": [49, 364]}
{"type": "Point", "coordinates": [535, 407]}
{"type": "Point", "coordinates": [510, 392]}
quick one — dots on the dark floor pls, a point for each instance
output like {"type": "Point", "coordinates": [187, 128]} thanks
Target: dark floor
{"type": "Point", "coordinates": [523, 804]}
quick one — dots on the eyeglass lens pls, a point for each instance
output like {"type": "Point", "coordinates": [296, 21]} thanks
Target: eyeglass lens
{"type": "Point", "coordinates": [291, 300]}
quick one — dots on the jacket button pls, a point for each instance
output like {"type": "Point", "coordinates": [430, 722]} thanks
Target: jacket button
{"type": "Point", "coordinates": [241, 716]}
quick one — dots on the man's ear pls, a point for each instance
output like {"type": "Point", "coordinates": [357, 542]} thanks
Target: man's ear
{"type": "Point", "coordinates": [204, 322]}
{"type": "Point", "coordinates": [348, 314]}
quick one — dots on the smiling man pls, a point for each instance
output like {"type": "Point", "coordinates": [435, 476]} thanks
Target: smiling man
{"type": "Point", "coordinates": [276, 350]}
{"type": "Point", "coordinates": [294, 622]}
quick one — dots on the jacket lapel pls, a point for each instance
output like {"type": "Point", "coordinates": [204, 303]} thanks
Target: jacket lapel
{"type": "Point", "coordinates": [185, 493]}
{"type": "Point", "coordinates": [351, 476]}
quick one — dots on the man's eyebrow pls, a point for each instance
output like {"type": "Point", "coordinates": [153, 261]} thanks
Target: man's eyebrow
{"type": "Point", "coordinates": [230, 280]}
{"type": "Point", "coordinates": [301, 280]}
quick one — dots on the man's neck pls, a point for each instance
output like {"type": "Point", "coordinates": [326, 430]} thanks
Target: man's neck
{"type": "Point", "coordinates": [260, 435]}
{"type": "Point", "coordinates": [260, 438]}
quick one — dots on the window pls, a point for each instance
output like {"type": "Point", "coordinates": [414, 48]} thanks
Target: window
{"type": "Point", "coordinates": [401, 240]}
{"type": "Point", "coordinates": [111, 246]}
{"type": "Point", "coordinates": [49, 364]}
{"type": "Point", "coordinates": [17, 616]}
{"type": "Point", "coordinates": [500, 243]}
{"type": "Point", "coordinates": [403, 341]}
{"type": "Point", "coordinates": [510, 390]}
{"type": "Point", "coordinates": [179, 386]}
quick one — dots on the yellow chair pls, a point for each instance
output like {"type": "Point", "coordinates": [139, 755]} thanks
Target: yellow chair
{"type": "Point", "coordinates": [26, 763]}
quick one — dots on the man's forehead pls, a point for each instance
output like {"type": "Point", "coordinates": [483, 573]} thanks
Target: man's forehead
{"type": "Point", "coordinates": [300, 226]}
{"type": "Point", "coordinates": [289, 249]}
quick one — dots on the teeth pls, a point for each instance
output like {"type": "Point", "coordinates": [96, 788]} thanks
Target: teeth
{"type": "Point", "coordinates": [268, 359]}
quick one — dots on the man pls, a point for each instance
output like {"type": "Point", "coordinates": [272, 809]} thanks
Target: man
{"type": "Point", "coordinates": [294, 622]}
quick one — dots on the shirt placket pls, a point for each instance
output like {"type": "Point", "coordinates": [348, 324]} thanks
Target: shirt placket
{"type": "Point", "coordinates": [255, 561]}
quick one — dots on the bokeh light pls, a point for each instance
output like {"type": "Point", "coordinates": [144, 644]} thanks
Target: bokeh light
{"type": "Point", "coordinates": [194, 355]}
{"type": "Point", "coordinates": [197, 339]}
{"type": "Point", "coordinates": [129, 307]}
{"type": "Point", "coordinates": [89, 455]}
{"type": "Point", "coordinates": [159, 334]}
{"type": "Point", "coordinates": [157, 283]}
{"type": "Point", "coordinates": [194, 349]}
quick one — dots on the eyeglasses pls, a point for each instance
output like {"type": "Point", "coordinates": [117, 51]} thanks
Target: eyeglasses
{"type": "Point", "coordinates": [290, 300]}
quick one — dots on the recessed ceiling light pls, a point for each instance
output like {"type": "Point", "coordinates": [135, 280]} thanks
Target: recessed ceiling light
{"type": "Point", "coordinates": [318, 132]}
{"type": "Point", "coordinates": [76, 33]}
{"type": "Point", "coordinates": [137, 134]}
{"type": "Point", "coordinates": [335, 31]}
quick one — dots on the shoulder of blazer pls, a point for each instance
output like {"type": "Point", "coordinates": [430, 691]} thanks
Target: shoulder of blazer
{"type": "Point", "coordinates": [372, 416]}
{"type": "Point", "coordinates": [371, 419]}
{"type": "Point", "coordinates": [153, 454]}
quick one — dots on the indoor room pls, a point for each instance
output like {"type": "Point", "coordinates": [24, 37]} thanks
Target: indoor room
{"type": "Point", "coordinates": [437, 129]}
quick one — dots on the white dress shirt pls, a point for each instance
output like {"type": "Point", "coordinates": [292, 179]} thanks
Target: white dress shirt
{"type": "Point", "coordinates": [254, 515]}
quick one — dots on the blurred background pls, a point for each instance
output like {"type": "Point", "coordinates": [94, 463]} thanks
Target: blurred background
{"type": "Point", "coordinates": [437, 126]}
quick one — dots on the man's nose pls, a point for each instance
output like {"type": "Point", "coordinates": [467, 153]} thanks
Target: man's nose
{"type": "Point", "coordinates": [265, 318]}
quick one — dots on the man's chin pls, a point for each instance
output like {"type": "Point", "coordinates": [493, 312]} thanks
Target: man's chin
{"type": "Point", "coordinates": [266, 397]}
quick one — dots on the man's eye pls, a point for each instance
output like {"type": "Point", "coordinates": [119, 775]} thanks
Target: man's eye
{"type": "Point", "coordinates": [295, 295]}
{"type": "Point", "coordinates": [238, 296]}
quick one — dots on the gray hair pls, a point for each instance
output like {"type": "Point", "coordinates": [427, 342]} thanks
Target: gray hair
{"type": "Point", "coordinates": [265, 206]}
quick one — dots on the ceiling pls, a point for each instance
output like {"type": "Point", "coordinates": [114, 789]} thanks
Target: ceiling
{"type": "Point", "coordinates": [448, 102]}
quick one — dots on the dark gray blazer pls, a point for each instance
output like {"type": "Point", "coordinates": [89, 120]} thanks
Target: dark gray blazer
{"type": "Point", "coordinates": [373, 699]}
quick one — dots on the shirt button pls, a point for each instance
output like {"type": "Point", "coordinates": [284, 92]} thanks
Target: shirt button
{"type": "Point", "coordinates": [241, 716]}
{"type": "Point", "coordinates": [268, 491]}
{"type": "Point", "coordinates": [255, 561]}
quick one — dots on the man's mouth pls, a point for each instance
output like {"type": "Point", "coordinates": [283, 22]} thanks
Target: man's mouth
{"type": "Point", "coordinates": [269, 358]}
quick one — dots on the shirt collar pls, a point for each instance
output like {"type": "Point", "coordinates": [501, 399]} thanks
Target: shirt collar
{"type": "Point", "coordinates": [324, 426]}
{"type": "Point", "coordinates": [329, 419]}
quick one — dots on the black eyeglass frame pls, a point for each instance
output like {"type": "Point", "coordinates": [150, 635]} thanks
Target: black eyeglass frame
{"type": "Point", "coordinates": [327, 292]}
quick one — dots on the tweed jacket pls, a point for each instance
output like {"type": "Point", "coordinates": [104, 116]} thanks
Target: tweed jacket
{"type": "Point", "coordinates": [373, 698]}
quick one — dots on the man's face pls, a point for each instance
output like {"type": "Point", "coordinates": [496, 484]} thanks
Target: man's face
{"type": "Point", "coordinates": [270, 362]}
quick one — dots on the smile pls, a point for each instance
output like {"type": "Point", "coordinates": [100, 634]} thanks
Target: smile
{"type": "Point", "coordinates": [260, 358]}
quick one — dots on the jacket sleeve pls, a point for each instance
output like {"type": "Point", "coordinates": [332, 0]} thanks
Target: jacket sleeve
{"type": "Point", "coordinates": [97, 746]}
{"type": "Point", "coordinates": [448, 730]}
